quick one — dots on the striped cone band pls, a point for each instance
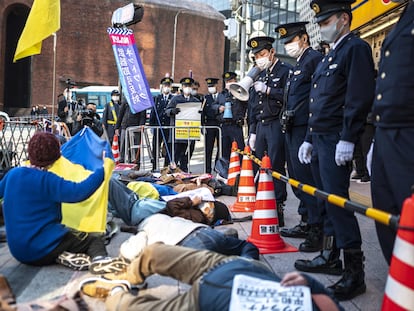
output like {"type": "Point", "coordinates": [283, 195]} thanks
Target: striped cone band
{"type": "Point", "coordinates": [264, 213]}
{"type": "Point", "coordinates": [399, 289]}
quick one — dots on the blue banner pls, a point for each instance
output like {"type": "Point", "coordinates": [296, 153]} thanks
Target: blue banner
{"type": "Point", "coordinates": [131, 73]}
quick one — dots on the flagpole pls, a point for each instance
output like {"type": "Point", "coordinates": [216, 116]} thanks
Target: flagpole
{"type": "Point", "coordinates": [54, 78]}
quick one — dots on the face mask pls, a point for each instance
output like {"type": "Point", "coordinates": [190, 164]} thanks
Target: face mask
{"type": "Point", "coordinates": [166, 89]}
{"type": "Point", "coordinates": [212, 89]}
{"type": "Point", "coordinates": [293, 49]}
{"type": "Point", "coordinates": [187, 90]}
{"type": "Point", "coordinates": [263, 63]}
{"type": "Point", "coordinates": [330, 33]}
{"type": "Point", "coordinates": [115, 98]}
{"type": "Point", "coordinates": [194, 92]}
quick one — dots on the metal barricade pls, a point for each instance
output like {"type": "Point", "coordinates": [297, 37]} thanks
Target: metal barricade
{"type": "Point", "coordinates": [14, 137]}
{"type": "Point", "coordinates": [142, 151]}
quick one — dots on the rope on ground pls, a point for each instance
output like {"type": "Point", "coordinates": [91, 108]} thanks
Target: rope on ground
{"type": "Point", "coordinates": [376, 214]}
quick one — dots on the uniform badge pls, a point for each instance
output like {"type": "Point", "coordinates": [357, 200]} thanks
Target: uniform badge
{"type": "Point", "coordinates": [254, 43]}
{"type": "Point", "coordinates": [282, 31]}
{"type": "Point", "coordinates": [316, 8]}
{"type": "Point", "coordinates": [297, 72]}
{"type": "Point", "coordinates": [333, 66]}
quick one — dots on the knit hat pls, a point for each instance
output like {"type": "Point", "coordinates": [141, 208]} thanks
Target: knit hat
{"type": "Point", "coordinates": [43, 149]}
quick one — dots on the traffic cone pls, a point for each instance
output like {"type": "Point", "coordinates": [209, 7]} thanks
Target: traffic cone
{"type": "Point", "coordinates": [115, 149]}
{"type": "Point", "coordinates": [265, 226]}
{"type": "Point", "coordinates": [246, 192]}
{"type": "Point", "coordinates": [399, 289]}
{"type": "Point", "coordinates": [234, 166]}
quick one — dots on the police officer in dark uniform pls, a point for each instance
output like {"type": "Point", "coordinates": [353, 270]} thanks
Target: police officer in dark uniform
{"type": "Point", "coordinates": [393, 115]}
{"type": "Point", "coordinates": [294, 121]}
{"type": "Point", "coordinates": [158, 117]}
{"type": "Point", "coordinates": [340, 99]}
{"type": "Point", "coordinates": [182, 148]}
{"type": "Point", "coordinates": [232, 117]}
{"type": "Point", "coordinates": [209, 117]}
{"type": "Point", "coordinates": [265, 131]}
{"type": "Point", "coordinates": [111, 113]}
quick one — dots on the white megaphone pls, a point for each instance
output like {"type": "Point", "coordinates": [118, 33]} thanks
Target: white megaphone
{"type": "Point", "coordinates": [241, 90]}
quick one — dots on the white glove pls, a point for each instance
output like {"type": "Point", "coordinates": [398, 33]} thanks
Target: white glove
{"type": "Point", "coordinates": [260, 87]}
{"type": "Point", "coordinates": [305, 153]}
{"type": "Point", "coordinates": [344, 152]}
{"type": "Point", "coordinates": [252, 141]}
{"type": "Point", "coordinates": [369, 158]}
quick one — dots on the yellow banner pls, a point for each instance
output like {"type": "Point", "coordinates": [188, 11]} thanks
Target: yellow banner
{"type": "Point", "coordinates": [363, 11]}
{"type": "Point", "coordinates": [190, 131]}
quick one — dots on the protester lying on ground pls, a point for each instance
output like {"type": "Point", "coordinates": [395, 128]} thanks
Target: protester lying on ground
{"type": "Point", "coordinates": [183, 232]}
{"type": "Point", "coordinates": [32, 213]}
{"type": "Point", "coordinates": [218, 283]}
{"type": "Point", "coordinates": [132, 209]}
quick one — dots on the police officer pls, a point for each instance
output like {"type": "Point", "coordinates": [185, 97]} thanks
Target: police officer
{"type": "Point", "coordinates": [393, 115]}
{"type": "Point", "coordinates": [182, 148]}
{"type": "Point", "coordinates": [340, 98]}
{"type": "Point", "coordinates": [265, 131]}
{"type": "Point", "coordinates": [110, 114]}
{"type": "Point", "coordinates": [158, 117]}
{"type": "Point", "coordinates": [294, 121]}
{"type": "Point", "coordinates": [231, 120]}
{"type": "Point", "coordinates": [209, 117]}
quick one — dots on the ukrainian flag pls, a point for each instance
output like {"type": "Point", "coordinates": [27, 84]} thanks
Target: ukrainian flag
{"type": "Point", "coordinates": [81, 155]}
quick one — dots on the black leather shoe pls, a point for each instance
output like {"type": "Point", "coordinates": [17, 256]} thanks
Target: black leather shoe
{"type": "Point", "coordinates": [299, 231]}
{"type": "Point", "coordinates": [320, 264]}
{"type": "Point", "coordinates": [314, 240]}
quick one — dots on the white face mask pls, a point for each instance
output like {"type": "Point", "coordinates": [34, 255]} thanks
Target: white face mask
{"type": "Point", "coordinates": [115, 98]}
{"type": "Point", "coordinates": [187, 90]}
{"type": "Point", "coordinates": [212, 89]}
{"type": "Point", "coordinates": [293, 49]}
{"type": "Point", "coordinates": [166, 89]}
{"type": "Point", "coordinates": [194, 92]}
{"type": "Point", "coordinates": [330, 33]}
{"type": "Point", "coordinates": [263, 63]}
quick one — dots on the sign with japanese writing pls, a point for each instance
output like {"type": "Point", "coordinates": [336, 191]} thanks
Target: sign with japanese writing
{"type": "Point", "coordinates": [131, 73]}
{"type": "Point", "coordinates": [250, 293]}
{"type": "Point", "coordinates": [188, 121]}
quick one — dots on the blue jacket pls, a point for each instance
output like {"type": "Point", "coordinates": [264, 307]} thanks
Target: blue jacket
{"type": "Point", "coordinates": [342, 90]}
{"type": "Point", "coordinates": [32, 209]}
{"type": "Point", "coordinates": [394, 99]}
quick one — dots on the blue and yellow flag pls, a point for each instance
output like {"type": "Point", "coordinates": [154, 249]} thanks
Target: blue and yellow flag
{"type": "Point", "coordinates": [43, 20]}
{"type": "Point", "coordinates": [81, 155]}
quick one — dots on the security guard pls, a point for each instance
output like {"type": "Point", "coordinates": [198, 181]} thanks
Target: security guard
{"type": "Point", "coordinates": [265, 131]}
{"type": "Point", "coordinates": [182, 150]}
{"type": "Point", "coordinates": [110, 114]}
{"type": "Point", "coordinates": [158, 117]}
{"type": "Point", "coordinates": [209, 113]}
{"type": "Point", "coordinates": [294, 121]}
{"type": "Point", "coordinates": [393, 115]}
{"type": "Point", "coordinates": [340, 98]}
{"type": "Point", "coordinates": [232, 117]}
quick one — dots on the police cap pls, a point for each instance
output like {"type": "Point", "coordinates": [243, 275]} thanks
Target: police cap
{"type": "Point", "coordinates": [288, 31]}
{"type": "Point", "coordinates": [166, 80]}
{"type": "Point", "coordinates": [115, 92]}
{"type": "Point", "coordinates": [229, 75]}
{"type": "Point", "coordinates": [212, 81]}
{"type": "Point", "coordinates": [187, 80]}
{"type": "Point", "coordinates": [326, 8]}
{"type": "Point", "coordinates": [259, 43]}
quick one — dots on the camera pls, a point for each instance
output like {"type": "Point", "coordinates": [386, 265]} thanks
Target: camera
{"type": "Point", "coordinates": [87, 113]}
{"type": "Point", "coordinates": [70, 84]}
{"type": "Point", "coordinates": [286, 120]}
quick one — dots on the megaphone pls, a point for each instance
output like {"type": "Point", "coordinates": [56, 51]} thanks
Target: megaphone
{"type": "Point", "coordinates": [241, 90]}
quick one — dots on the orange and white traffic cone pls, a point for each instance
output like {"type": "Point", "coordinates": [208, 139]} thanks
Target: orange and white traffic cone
{"type": "Point", "coordinates": [246, 192]}
{"type": "Point", "coordinates": [265, 226]}
{"type": "Point", "coordinates": [399, 289]}
{"type": "Point", "coordinates": [115, 149]}
{"type": "Point", "coordinates": [234, 166]}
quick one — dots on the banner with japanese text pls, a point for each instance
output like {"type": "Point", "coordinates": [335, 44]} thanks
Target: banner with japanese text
{"type": "Point", "coordinates": [131, 73]}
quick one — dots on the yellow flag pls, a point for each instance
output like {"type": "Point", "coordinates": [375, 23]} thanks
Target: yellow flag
{"type": "Point", "coordinates": [43, 20]}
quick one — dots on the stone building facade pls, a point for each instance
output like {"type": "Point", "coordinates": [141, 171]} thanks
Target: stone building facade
{"type": "Point", "coordinates": [84, 53]}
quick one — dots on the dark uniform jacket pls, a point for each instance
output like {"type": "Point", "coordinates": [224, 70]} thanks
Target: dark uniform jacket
{"type": "Point", "coordinates": [160, 106]}
{"type": "Point", "coordinates": [394, 99]}
{"type": "Point", "coordinates": [175, 103]}
{"type": "Point", "coordinates": [299, 85]}
{"type": "Point", "coordinates": [127, 118]}
{"type": "Point", "coordinates": [267, 107]}
{"type": "Point", "coordinates": [342, 90]}
{"type": "Point", "coordinates": [210, 111]}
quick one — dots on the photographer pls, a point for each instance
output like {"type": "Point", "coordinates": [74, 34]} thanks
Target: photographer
{"type": "Point", "coordinates": [88, 117]}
